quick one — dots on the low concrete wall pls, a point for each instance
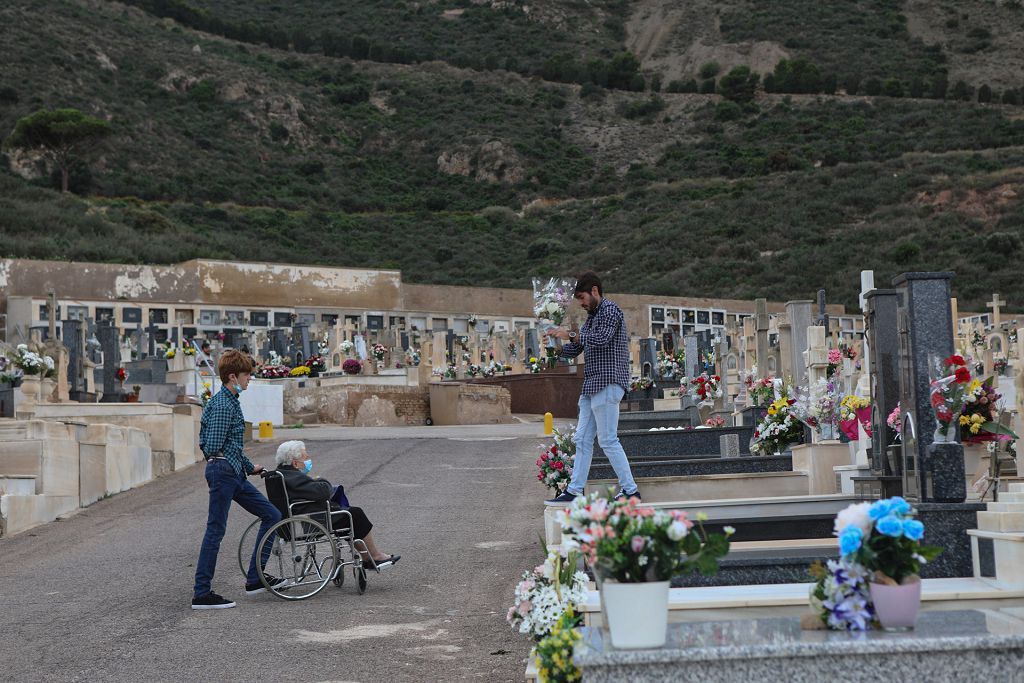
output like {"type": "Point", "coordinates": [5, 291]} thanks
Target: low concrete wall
{"type": "Point", "coordinates": [465, 404]}
{"type": "Point", "coordinates": [66, 466]}
{"type": "Point", "coordinates": [172, 428]}
{"type": "Point", "coordinates": [556, 392]}
{"type": "Point", "coordinates": [385, 406]}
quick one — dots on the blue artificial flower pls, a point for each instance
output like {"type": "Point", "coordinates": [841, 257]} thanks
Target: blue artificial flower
{"type": "Point", "coordinates": [890, 525]}
{"type": "Point", "coordinates": [899, 506]}
{"type": "Point", "coordinates": [913, 529]}
{"type": "Point", "coordinates": [850, 539]}
{"type": "Point", "coordinates": [879, 509]}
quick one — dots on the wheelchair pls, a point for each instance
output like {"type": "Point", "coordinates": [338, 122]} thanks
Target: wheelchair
{"type": "Point", "coordinates": [305, 549]}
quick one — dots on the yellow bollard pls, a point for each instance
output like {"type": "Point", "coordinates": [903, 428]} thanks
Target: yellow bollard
{"type": "Point", "coordinates": [266, 430]}
{"type": "Point", "coordinates": [549, 424]}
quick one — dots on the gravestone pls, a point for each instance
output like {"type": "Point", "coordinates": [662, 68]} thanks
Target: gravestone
{"type": "Point", "coordinates": [107, 334]}
{"type": "Point", "coordinates": [822, 319]}
{"type": "Point", "coordinates": [279, 342]}
{"type": "Point", "coordinates": [72, 331]}
{"type": "Point", "coordinates": [799, 315]}
{"type": "Point", "coordinates": [532, 344]}
{"type": "Point", "coordinates": [438, 346]}
{"type": "Point", "coordinates": [785, 346]}
{"type": "Point", "coordinates": [150, 347]}
{"type": "Point", "coordinates": [648, 357]}
{"type": "Point", "coordinates": [931, 472]}
{"type": "Point", "coordinates": [691, 356]}
{"type": "Point", "coordinates": [761, 321]}
{"type": "Point", "coordinates": [300, 340]}
{"type": "Point", "coordinates": [882, 334]}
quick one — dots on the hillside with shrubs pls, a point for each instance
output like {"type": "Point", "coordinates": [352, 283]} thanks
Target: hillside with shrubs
{"type": "Point", "coordinates": [734, 149]}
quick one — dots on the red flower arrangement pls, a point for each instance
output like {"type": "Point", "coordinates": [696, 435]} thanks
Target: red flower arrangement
{"type": "Point", "coordinates": [122, 375]}
{"type": "Point", "coordinates": [351, 367]}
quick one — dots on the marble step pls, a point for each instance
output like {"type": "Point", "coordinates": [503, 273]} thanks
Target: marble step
{"type": "Point", "coordinates": [1001, 521]}
{"type": "Point", "coordinates": [1006, 507]}
{"type": "Point", "coordinates": [1012, 497]}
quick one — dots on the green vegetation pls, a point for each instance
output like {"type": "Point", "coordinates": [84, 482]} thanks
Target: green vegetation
{"type": "Point", "coordinates": [237, 150]}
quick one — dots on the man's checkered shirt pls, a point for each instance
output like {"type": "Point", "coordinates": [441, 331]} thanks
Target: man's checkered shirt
{"type": "Point", "coordinates": [222, 430]}
{"type": "Point", "coordinates": [606, 342]}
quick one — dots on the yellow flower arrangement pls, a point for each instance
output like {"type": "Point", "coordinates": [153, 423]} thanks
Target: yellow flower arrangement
{"type": "Point", "coordinates": [855, 402]}
{"type": "Point", "coordinates": [533, 359]}
{"type": "Point", "coordinates": [170, 353]}
{"type": "Point", "coordinates": [553, 655]}
{"type": "Point", "coordinates": [777, 405]}
{"type": "Point", "coordinates": [972, 422]}
{"type": "Point", "coordinates": [300, 371]}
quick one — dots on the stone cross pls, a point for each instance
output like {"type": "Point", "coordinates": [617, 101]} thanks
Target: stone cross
{"type": "Point", "coordinates": [785, 346]}
{"type": "Point", "coordinates": [749, 334]}
{"type": "Point", "coordinates": [150, 348]}
{"type": "Point", "coordinates": [816, 356]}
{"type": "Point", "coordinates": [996, 305]}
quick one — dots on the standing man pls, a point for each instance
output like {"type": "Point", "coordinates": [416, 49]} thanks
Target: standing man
{"type": "Point", "coordinates": [220, 438]}
{"type": "Point", "coordinates": [605, 380]}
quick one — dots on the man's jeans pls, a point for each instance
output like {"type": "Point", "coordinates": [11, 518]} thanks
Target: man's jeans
{"type": "Point", "coordinates": [227, 485]}
{"type": "Point", "coordinates": [599, 416]}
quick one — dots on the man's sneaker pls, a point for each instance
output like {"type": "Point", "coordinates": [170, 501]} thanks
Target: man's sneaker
{"type": "Point", "coordinates": [563, 499]}
{"type": "Point", "coordinates": [258, 587]}
{"type": "Point", "coordinates": [211, 601]}
{"type": "Point", "coordinates": [622, 495]}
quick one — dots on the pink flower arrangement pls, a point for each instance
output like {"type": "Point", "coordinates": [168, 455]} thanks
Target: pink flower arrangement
{"type": "Point", "coordinates": [894, 421]}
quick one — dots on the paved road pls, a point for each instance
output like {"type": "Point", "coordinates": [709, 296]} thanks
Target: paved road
{"type": "Point", "coordinates": [105, 595]}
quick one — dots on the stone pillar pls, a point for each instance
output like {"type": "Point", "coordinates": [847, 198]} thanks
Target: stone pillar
{"type": "Point", "coordinates": [785, 348]}
{"type": "Point", "coordinates": [799, 315]}
{"type": "Point", "coordinates": [931, 472]}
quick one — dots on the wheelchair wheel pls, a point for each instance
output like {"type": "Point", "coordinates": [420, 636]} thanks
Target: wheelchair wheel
{"type": "Point", "coordinates": [339, 578]}
{"type": "Point", "coordinates": [307, 559]}
{"type": "Point", "coordinates": [360, 579]}
{"type": "Point", "coordinates": [246, 544]}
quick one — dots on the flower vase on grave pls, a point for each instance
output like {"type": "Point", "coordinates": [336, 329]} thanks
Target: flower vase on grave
{"type": "Point", "coordinates": [945, 433]}
{"type": "Point", "coordinates": [897, 606]}
{"type": "Point", "coordinates": [32, 389]}
{"type": "Point", "coordinates": [636, 613]}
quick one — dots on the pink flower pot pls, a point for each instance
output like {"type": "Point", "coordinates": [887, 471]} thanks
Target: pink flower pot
{"type": "Point", "coordinates": [897, 606]}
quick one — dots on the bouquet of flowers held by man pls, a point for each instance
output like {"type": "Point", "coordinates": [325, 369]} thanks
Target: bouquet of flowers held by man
{"type": "Point", "coordinates": [551, 299]}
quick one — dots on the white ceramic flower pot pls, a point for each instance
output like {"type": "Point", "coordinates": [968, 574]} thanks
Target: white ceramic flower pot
{"type": "Point", "coordinates": [897, 606]}
{"type": "Point", "coordinates": [637, 613]}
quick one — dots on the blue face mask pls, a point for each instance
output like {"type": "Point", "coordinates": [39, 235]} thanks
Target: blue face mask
{"type": "Point", "coordinates": [239, 388]}
{"type": "Point", "coordinates": [309, 466]}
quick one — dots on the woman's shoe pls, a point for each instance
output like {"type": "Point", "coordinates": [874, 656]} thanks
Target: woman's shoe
{"type": "Point", "coordinates": [381, 564]}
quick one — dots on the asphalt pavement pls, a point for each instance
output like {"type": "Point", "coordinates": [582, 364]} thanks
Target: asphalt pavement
{"type": "Point", "coordinates": [105, 594]}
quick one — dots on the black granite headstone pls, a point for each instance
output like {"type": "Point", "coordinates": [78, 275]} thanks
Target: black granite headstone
{"type": "Point", "coordinates": [884, 348]}
{"type": "Point", "coordinates": [300, 339]}
{"type": "Point", "coordinates": [925, 330]}
{"type": "Point", "coordinates": [279, 342]}
{"type": "Point", "coordinates": [532, 344]}
{"type": "Point", "coordinates": [648, 357]}
{"type": "Point", "coordinates": [108, 337]}
{"type": "Point", "coordinates": [72, 338]}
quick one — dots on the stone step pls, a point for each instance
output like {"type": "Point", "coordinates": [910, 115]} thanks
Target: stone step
{"type": "Point", "coordinates": [17, 485]}
{"type": "Point", "coordinates": [1016, 488]}
{"type": "Point", "coordinates": [1012, 497]}
{"type": "Point", "coordinates": [1001, 521]}
{"type": "Point", "coordinates": [713, 486]}
{"type": "Point", "coordinates": [1006, 507]}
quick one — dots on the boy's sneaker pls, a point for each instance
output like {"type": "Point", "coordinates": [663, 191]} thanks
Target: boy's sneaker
{"type": "Point", "coordinates": [211, 601]}
{"type": "Point", "coordinates": [258, 587]}
{"type": "Point", "coordinates": [622, 495]}
{"type": "Point", "coordinates": [563, 499]}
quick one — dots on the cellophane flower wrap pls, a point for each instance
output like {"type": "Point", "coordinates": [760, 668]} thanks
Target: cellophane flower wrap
{"type": "Point", "coordinates": [979, 417]}
{"type": "Point", "coordinates": [885, 538]}
{"type": "Point", "coordinates": [545, 593]}
{"type": "Point", "coordinates": [627, 542]}
{"type": "Point", "coordinates": [817, 406]}
{"type": "Point", "coordinates": [778, 428]}
{"type": "Point", "coordinates": [551, 299]}
{"type": "Point", "coordinates": [841, 596]}
{"type": "Point", "coordinates": [556, 460]}
{"type": "Point", "coordinates": [948, 386]}
{"type": "Point", "coordinates": [854, 411]}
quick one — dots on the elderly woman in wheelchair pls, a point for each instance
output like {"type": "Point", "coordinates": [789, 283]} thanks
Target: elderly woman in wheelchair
{"type": "Point", "coordinates": [293, 462]}
{"type": "Point", "coordinates": [319, 536]}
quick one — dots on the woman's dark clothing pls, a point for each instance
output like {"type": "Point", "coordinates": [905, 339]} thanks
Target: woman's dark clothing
{"type": "Point", "coordinates": [320, 491]}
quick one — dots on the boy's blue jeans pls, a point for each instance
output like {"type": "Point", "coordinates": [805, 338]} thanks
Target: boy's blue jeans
{"type": "Point", "coordinates": [599, 416]}
{"type": "Point", "coordinates": [226, 485]}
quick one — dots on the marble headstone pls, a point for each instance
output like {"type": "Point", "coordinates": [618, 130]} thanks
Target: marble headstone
{"type": "Point", "coordinates": [883, 347]}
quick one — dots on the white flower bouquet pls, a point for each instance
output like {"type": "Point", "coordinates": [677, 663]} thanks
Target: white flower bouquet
{"type": "Point", "coordinates": [551, 298]}
{"type": "Point", "coordinates": [544, 594]}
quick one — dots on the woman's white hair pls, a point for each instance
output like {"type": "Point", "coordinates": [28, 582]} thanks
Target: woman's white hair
{"type": "Point", "coordinates": [290, 450]}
